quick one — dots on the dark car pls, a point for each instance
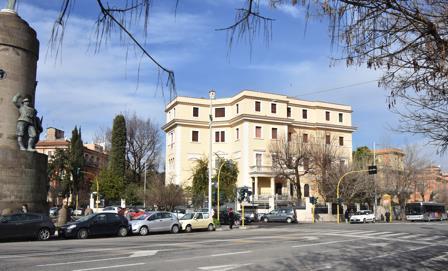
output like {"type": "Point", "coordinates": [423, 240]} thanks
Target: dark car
{"type": "Point", "coordinates": [96, 224]}
{"type": "Point", "coordinates": [29, 225]}
{"type": "Point", "coordinates": [280, 215]}
{"type": "Point", "coordinates": [224, 218]}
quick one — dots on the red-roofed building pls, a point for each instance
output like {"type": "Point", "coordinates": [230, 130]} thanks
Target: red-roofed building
{"type": "Point", "coordinates": [95, 159]}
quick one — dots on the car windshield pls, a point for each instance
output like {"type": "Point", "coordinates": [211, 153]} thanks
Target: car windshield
{"type": "Point", "coordinates": [362, 213]}
{"type": "Point", "coordinates": [187, 216]}
{"type": "Point", "coordinates": [85, 218]}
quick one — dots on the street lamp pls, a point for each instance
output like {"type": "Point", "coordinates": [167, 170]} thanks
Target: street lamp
{"type": "Point", "coordinates": [211, 95]}
{"type": "Point", "coordinates": [217, 201]}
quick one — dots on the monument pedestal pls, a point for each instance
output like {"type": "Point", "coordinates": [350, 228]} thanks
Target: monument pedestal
{"type": "Point", "coordinates": [24, 180]}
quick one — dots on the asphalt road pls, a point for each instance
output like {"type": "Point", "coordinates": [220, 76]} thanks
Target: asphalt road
{"type": "Point", "coordinates": [397, 246]}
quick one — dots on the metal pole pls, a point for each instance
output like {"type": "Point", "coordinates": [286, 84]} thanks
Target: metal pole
{"type": "Point", "coordinates": [339, 182]}
{"type": "Point", "coordinates": [211, 96]}
{"type": "Point", "coordinates": [374, 181]}
{"type": "Point", "coordinates": [144, 188]}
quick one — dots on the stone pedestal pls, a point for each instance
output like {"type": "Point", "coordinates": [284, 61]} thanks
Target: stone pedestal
{"type": "Point", "coordinates": [23, 175]}
{"type": "Point", "coordinates": [23, 180]}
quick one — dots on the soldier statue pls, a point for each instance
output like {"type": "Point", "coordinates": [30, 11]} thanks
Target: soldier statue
{"type": "Point", "coordinates": [29, 126]}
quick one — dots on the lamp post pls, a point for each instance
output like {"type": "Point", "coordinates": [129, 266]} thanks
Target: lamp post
{"type": "Point", "coordinates": [217, 201]}
{"type": "Point", "coordinates": [144, 187]}
{"type": "Point", "coordinates": [211, 95]}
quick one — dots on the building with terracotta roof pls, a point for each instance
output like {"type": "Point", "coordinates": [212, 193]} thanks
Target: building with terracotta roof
{"type": "Point", "coordinates": [95, 157]}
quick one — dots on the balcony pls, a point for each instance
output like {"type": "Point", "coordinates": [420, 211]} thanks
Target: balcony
{"type": "Point", "coordinates": [260, 170]}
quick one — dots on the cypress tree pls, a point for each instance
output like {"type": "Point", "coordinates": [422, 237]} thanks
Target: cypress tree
{"type": "Point", "coordinates": [117, 162]}
{"type": "Point", "coordinates": [76, 158]}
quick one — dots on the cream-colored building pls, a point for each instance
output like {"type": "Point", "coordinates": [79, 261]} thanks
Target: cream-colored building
{"type": "Point", "coordinates": [243, 128]}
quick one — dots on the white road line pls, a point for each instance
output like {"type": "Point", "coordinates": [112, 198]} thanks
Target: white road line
{"type": "Point", "coordinates": [394, 234]}
{"type": "Point", "coordinates": [134, 255]}
{"type": "Point", "coordinates": [396, 252]}
{"type": "Point", "coordinates": [410, 235]}
{"type": "Point", "coordinates": [327, 243]}
{"type": "Point", "coordinates": [378, 233]}
{"type": "Point", "coordinates": [231, 253]}
{"type": "Point", "coordinates": [433, 238]}
{"type": "Point", "coordinates": [107, 267]}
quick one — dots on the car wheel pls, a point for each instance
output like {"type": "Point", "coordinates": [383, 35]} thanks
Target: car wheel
{"type": "Point", "coordinates": [188, 228]}
{"type": "Point", "coordinates": [143, 231]}
{"type": "Point", "coordinates": [266, 220]}
{"type": "Point", "coordinates": [211, 227]}
{"type": "Point", "coordinates": [43, 234]}
{"type": "Point", "coordinates": [82, 234]}
{"type": "Point", "coordinates": [373, 220]}
{"type": "Point", "coordinates": [122, 231]}
{"type": "Point", "coordinates": [288, 220]}
{"type": "Point", "coordinates": [175, 229]}
{"type": "Point", "coordinates": [364, 221]}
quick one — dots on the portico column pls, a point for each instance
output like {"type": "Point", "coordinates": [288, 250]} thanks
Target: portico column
{"type": "Point", "coordinates": [256, 188]}
{"type": "Point", "coordinates": [273, 186]}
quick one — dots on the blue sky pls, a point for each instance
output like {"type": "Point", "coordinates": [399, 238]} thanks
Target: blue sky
{"type": "Point", "coordinates": [88, 89]}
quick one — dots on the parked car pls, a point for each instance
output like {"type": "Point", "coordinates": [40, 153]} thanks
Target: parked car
{"type": "Point", "coordinates": [155, 222]}
{"type": "Point", "coordinates": [196, 220]}
{"type": "Point", "coordinates": [135, 212]}
{"type": "Point", "coordinates": [78, 212]}
{"type": "Point", "coordinates": [29, 225]}
{"type": "Point", "coordinates": [224, 218]}
{"type": "Point", "coordinates": [280, 215]}
{"type": "Point", "coordinates": [111, 209]}
{"type": "Point", "coordinates": [53, 211]}
{"type": "Point", "coordinates": [96, 224]}
{"type": "Point", "coordinates": [363, 216]}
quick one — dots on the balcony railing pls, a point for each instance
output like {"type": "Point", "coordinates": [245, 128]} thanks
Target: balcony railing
{"type": "Point", "coordinates": [276, 197]}
{"type": "Point", "coordinates": [260, 169]}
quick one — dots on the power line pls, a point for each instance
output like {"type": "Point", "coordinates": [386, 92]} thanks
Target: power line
{"type": "Point", "coordinates": [336, 88]}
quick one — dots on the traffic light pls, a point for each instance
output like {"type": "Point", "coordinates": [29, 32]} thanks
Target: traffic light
{"type": "Point", "coordinates": [312, 200]}
{"type": "Point", "coordinates": [372, 170]}
{"type": "Point", "coordinates": [242, 193]}
{"type": "Point", "coordinates": [339, 200]}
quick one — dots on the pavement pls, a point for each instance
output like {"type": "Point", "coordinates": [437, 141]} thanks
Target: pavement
{"type": "Point", "coordinates": [262, 246]}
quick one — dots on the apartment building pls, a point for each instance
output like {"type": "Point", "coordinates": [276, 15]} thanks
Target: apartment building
{"type": "Point", "coordinates": [242, 129]}
{"type": "Point", "coordinates": [95, 159]}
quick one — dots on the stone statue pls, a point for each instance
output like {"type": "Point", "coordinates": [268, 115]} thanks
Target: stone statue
{"type": "Point", "coordinates": [29, 126]}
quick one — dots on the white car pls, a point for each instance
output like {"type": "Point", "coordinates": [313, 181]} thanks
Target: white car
{"type": "Point", "coordinates": [363, 216]}
{"type": "Point", "coordinates": [196, 220]}
{"type": "Point", "coordinates": [111, 209]}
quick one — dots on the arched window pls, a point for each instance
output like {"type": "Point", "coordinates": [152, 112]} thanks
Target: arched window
{"type": "Point", "coordinates": [306, 190]}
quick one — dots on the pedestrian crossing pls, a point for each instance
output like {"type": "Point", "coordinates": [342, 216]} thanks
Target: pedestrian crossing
{"type": "Point", "coordinates": [386, 235]}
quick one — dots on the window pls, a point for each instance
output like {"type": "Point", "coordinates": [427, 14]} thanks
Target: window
{"type": "Point", "coordinates": [306, 190]}
{"type": "Point", "coordinates": [258, 131]}
{"type": "Point", "coordinates": [237, 133]}
{"type": "Point", "coordinates": [237, 108]}
{"type": "Point", "coordinates": [257, 106]}
{"type": "Point", "coordinates": [258, 159]}
{"type": "Point", "coordinates": [341, 141]}
{"type": "Point", "coordinates": [274, 133]}
{"type": "Point", "coordinates": [195, 111]}
{"type": "Point", "coordinates": [220, 112]}
{"type": "Point", "coordinates": [304, 113]}
{"type": "Point", "coordinates": [220, 136]}
{"type": "Point", "coordinates": [288, 112]}
{"type": "Point", "coordinates": [273, 108]}
{"type": "Point", "coordinates": [306, 164]}
{"type": "Point", "coordinates": [341, 118]}
{"type": "Point", "coordinates": [327, 139]}
{"type": "Point", "coordinates": [289, 136]}
{"type": "Point", "coordinates": [327, 115]}
{"type": "Point", "coordinates": [195, 136]}
{"type": "Point", "coordinates": [305, 138]}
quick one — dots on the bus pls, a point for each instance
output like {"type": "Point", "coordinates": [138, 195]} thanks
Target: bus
{"type": "Point", "coordinates": [425, 211]}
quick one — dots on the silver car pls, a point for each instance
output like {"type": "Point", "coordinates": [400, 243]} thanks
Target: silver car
{"type": "Point", "coordinates": [155, 222]}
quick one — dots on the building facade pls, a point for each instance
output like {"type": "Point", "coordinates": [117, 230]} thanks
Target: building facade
{"type": "Point", "coordinates": [242, 129]}
{"type": "Point", "coordinates": [95, 159]}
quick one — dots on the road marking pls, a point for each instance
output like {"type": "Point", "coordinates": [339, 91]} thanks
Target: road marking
{"type": "Point", "coordinates": [144, 253]}
{"type": "Point", "coordinates": [433, 238]}
{"type": "Point", "coordinates": [136, 254]}
{"type": "Point", "coordinates": [394, 234]}
{"type": "Point", "coordinates": [440, 258]}
{"type": "Point", "coordinates": [378, 233]}
{"type": "Point", "coordinates": [107, 267]}
{"type": "Point", "coordinates": [378, 244]}
{"type": "Point", "coordinates": [410, 235]}
{"type": "Point", "coordinates": [396, 252]}
{"type": "Point", "coordinates": [231, 253]}
{"type": "Point", "coordinates": [327, 243]}
{"type": "Point", "coordinates": [223, 267]}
